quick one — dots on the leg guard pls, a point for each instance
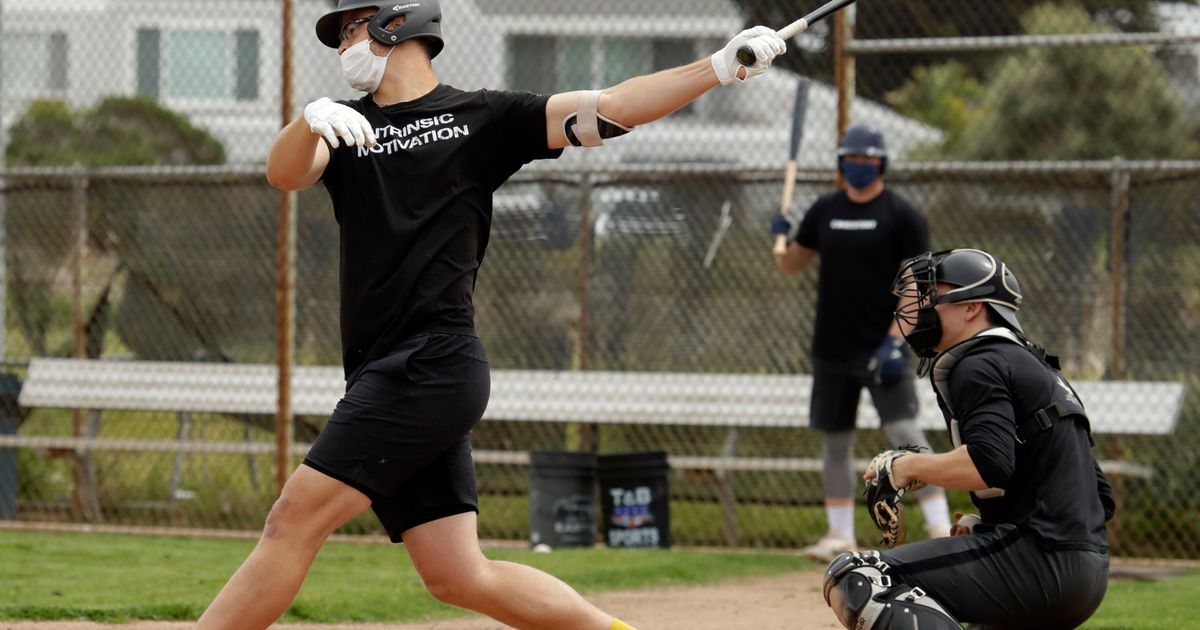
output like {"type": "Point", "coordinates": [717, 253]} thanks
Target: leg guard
{"type": "Point", "coordinates": [870, 601]}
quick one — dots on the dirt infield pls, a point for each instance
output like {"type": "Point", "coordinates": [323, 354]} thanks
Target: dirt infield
{"type": "Point", "coordinates": [786, 602]}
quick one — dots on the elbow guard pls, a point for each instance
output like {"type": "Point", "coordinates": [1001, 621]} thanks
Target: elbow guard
{"type": "Point", "coordinates": [587, 127]}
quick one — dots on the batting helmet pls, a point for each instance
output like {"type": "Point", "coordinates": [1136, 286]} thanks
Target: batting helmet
{"type": "Point", "coordinates": [976, 276]}
{"type": "Point", "coordinates": [864, 140]}
{"type": "Point", "coordinates": [422, 18]}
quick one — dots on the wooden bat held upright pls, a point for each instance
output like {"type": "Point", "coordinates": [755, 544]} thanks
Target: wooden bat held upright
{"type": "Point", "coordinates": [746, 56]}
{"type": "Point", "coordinates": [789, 188]}
{"type": "Point", "coordinates": [789, 172]}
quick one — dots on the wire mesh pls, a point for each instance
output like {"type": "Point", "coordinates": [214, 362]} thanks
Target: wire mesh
{"type": "Point", "coordinates": [138, 225]}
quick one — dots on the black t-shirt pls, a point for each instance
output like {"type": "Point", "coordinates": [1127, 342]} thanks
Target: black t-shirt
{"type": "Point", "coordinates": [861, 248]}
{"type": "Point", "coordinates": [1052, 484]}
{"type": "Point", "coordinates": [415, 211]}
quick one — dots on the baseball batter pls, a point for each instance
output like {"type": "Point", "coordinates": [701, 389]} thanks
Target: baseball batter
{"type": "Point", "coordinates": [410, 168]}
{"type": "Point", "coordinates": [861, 235]}
{"type": "Point", "coordinates": [1036, 554]}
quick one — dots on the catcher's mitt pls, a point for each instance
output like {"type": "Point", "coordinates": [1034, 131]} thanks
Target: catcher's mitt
{"type": "Point", "coordinates": [883, 497]}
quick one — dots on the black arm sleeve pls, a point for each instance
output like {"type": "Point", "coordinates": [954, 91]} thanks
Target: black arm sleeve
{"type": "Point", "coordinates": [987, 421]}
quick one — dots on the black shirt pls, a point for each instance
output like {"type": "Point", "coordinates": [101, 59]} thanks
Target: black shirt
{"type": "Point", "coordinates": [861, 248]}
{"type": "Point", "coordinates": [415, 211]}
{"type": "Point", "coordinates": [1052, 484]}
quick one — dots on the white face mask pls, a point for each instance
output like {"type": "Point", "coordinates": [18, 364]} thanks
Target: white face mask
{"type": "Point", "coordinates": [362, 68]}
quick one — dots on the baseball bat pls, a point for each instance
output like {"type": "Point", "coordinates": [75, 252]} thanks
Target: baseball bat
{"type": "Point", "coordinates": [746, 56]}
{"type": "Point", "coordinates": [789, 173]}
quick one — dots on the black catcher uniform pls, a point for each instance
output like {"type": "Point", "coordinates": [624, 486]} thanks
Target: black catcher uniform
{"type": "Point", "coordinates": [1039, 556]}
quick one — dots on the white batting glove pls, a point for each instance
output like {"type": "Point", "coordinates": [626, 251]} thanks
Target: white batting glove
{"type": "Point", "coordinates": [766, 45]}
{"type": "Point", "coordinates": [334, 120]}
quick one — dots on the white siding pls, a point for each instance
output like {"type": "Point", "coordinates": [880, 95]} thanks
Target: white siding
{"type": "Point", "coordinates": [747, 124]}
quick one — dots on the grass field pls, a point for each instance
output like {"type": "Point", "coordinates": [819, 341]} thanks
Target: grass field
{"type": "Point", "coordinates": [118, 578]}
{"type": "Point", "coordinates": [114, 578]}
{"type": "Point", "coordinates": [1137, 605]}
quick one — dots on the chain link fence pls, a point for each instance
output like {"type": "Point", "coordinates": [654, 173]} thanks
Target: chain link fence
{"type": "Point", "coordinates": [138, 226]}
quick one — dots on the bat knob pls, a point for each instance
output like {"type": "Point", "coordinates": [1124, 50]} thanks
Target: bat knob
{"type": "Point", "coordinates": [746, 56]}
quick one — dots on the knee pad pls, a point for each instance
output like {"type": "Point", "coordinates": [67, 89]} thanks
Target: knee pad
{"type": "Point", "coordinates": [871, 601]}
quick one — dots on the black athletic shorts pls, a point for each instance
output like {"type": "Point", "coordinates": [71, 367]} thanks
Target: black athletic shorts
{"type": "Point", "coordinates": [1003, 578]}
{"type": "Point", "coordinates": [401, 435]}
{"type": "Point", "coordinates": [833, 406]}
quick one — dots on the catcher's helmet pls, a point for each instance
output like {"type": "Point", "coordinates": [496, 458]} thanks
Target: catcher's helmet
{"type": "Point", "coordinates": [864, 140]}
{"type": "Point", "coordinates": [422, 18]}
{"type": "Point", "coordinates": [976, 276]}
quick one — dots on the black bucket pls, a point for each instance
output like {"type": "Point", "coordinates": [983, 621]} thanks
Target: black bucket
{"type": "Point", "coordinates": [635, 500]}
{"type": "Point", "coordinates": [562, 499]}
{"type": "Point", "coordinates": [10, 419]}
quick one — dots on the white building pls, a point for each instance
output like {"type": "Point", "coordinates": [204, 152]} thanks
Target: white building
{"type": "Point", "coordinates": [1183, 62]}
{"type": "Point", "coordinates": [218, 62]}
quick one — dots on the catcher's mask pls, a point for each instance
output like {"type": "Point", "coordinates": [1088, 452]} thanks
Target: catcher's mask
{"type": "Point", "coordinates": [975, 275]}
{"type": "Point", "coordinates": [422, 18]}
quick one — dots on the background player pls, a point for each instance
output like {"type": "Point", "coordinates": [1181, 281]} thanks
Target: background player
{"type": "Point", "coordinates": [862, 234]}
{"type": "Point", "coordinates": [1038, 555]}
{"type": "Point", "coordinates": [410, 168]}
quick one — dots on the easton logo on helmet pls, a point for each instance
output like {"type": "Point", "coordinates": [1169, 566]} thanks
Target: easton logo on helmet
{"type": "Point", "coordinates": [421, 20]}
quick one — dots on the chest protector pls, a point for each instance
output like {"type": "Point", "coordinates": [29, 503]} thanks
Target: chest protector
{"type": "Point", "coordinates": [1064, 402]}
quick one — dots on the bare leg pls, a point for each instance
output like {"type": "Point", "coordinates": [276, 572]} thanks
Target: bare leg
{"type": "Point", "coordinates": [310, 508]}
{"type": "Point", "coordinates": [447, 556]}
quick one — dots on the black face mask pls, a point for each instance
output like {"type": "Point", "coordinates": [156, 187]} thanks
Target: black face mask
{"type": "Point", "coordinates": [925, 334]}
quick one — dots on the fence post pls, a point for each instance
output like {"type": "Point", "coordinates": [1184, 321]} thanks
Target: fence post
{"type": "Point", "coordinates": [85, 503]}
{"type": "Point", "coordinates": [588, 438]}
{"type": "Point", "coordinates": [844, 72]}
{"type": "Point", "coordinates": [1120, 230]}
{"type": "Point", "coordinates": [3, 204]}
{"type": "Point", "coordinates": [1118, 266]}
{"type": "Point", "coordinates": [285, 281]}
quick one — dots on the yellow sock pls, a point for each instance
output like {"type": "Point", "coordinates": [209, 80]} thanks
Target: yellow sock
{"type": "Point", "coordinates": [617, 624]}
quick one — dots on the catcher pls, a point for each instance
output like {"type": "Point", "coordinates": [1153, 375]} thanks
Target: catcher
{"type": "Point", "coordinates": [1036, 555]}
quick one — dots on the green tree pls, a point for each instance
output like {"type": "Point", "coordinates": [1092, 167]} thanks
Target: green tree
{"type": "Point", "coordinates": [880, 74]}
{"type": "Point", "coordinates": [1055, 103]}
{"type": "Point", "coordinates": [120, 131]}
{"type": "Point", "coordinates": [175, 268]}
{"type": "Point", "coordinates": [944, 96]}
